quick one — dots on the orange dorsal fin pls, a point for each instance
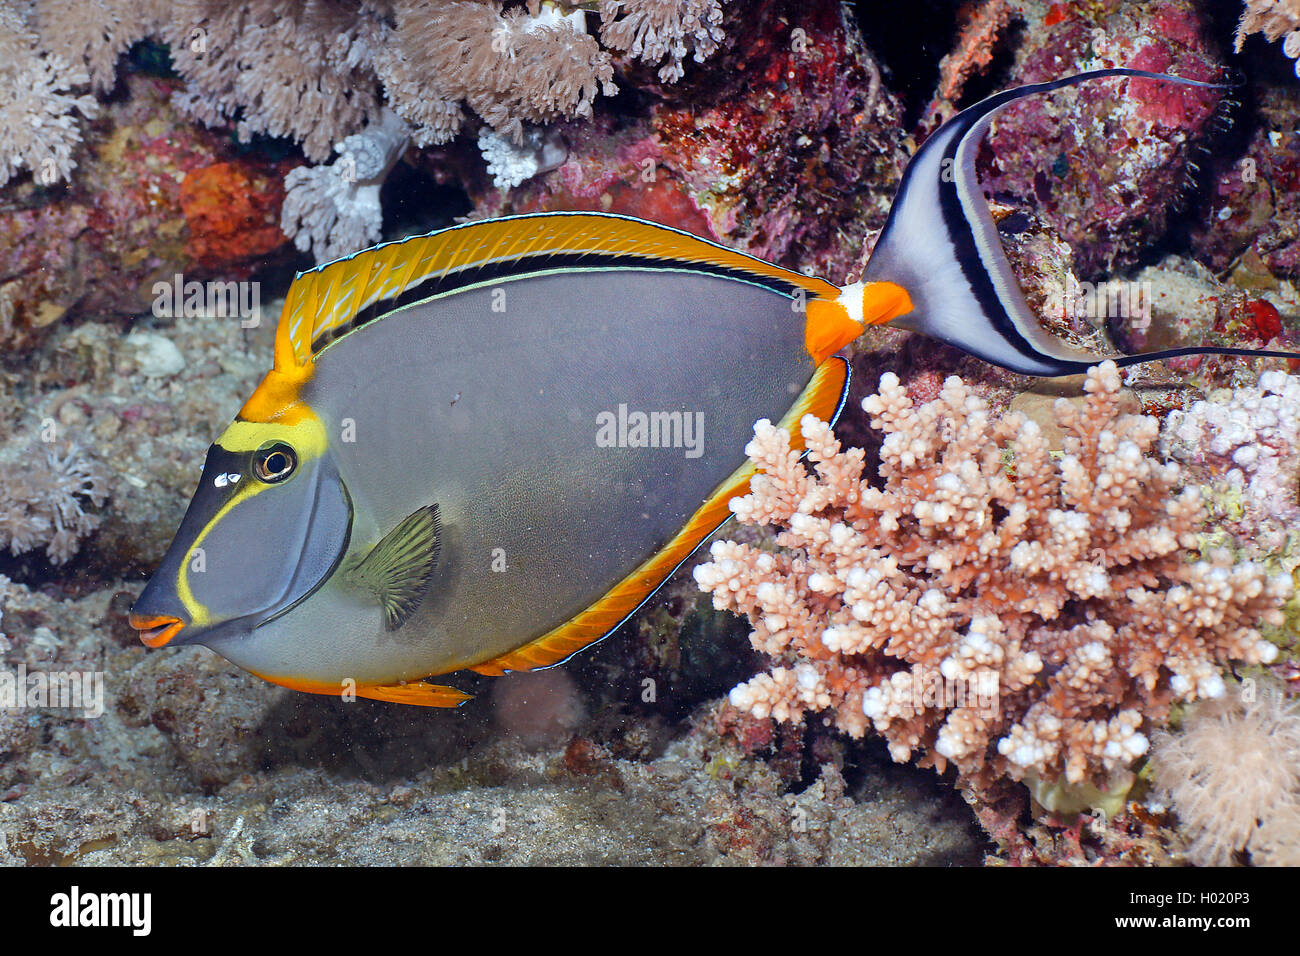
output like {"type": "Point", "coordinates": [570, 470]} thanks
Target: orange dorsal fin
{"type": "Point", "coordinates": [821, 397]}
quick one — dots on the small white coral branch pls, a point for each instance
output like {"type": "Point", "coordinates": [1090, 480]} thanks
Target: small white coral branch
{"type": "Point", "coordinates": [334, 210]}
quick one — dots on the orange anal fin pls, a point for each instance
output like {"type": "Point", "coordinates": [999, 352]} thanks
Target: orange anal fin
{"type": "Point", "coordinates": [415, 692]}
{"type": "Point", "coordinates": [821, 397]}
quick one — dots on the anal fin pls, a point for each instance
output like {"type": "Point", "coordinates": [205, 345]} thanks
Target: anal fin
{"type": "Point", "coordinates": [415, 692]}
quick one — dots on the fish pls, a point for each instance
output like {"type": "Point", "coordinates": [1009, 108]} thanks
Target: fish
{"type": "Point", "coordinates": [486, 447]}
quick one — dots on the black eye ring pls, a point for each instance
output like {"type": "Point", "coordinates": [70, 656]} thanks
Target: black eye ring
{"type": "Point", "coordinates": [274, 462]}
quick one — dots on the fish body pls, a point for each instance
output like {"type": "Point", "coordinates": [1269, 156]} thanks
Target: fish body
{"type": "Point", "coordinates": [570, 395]}
{"type": "Point", "coordinates": [540, 518]}
{"type": "Point", "coordinates": [484, 448]}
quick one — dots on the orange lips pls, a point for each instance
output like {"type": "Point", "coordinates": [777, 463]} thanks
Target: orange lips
{"type": "Point", "coordinates": [156, 631]}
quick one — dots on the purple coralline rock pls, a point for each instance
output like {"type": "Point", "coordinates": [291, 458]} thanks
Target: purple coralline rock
{"type": "Point", "coordinates": [153, 195]}
{"type": "Point", "coordinates": [1105, 163]}
{"type": "Point", "coordinates": [785, 143]}
{"type": "Point", "coordinates": [1254, 203]}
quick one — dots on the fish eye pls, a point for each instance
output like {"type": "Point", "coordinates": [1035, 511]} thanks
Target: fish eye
{"type": "Point", "coordinates": [274, 462]}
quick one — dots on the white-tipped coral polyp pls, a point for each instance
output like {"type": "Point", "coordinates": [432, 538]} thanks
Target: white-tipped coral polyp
{"type": "Point", "coordinates": [1069, 581]}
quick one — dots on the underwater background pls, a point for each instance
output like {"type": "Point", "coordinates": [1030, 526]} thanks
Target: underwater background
{"type": "Point", "coordinates": [166, 168]}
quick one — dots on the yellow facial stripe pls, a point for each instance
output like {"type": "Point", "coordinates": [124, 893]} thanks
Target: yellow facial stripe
{"type": "Point", "coordinates": [306, 437]}
{"type": "Point", "coordinates": [199, 614]}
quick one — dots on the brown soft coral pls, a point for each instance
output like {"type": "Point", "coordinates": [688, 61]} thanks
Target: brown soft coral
{"type": "Point", "coordinates": [993, 606]}
{"type": "Point", "coordinates": [44, 493]}
{"type": "Point", "coordinates": [662, 31]}
{"type": "Point", "coordinates": [509, 67]}
{"type": "Point", "coordinates": [39, 126]}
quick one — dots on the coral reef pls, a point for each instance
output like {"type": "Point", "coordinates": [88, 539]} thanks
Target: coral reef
{"type": "Point", "coordinates": [154, 197]}
{"type": "Point", "coordinates": [509, 67]}
{"type": "Point", "coordinates": [976, 45]}
{"type": "Point", "coordinates": [510, 163]}
{"type": "Point", "coordinates": [47, 494]}
{"type": "Point", "coordinates": [1232, 775]}
{"type": "Point", "coordinates": [360, 77]}
{"type": "Point", "coordinates": [787, 146]}
{"type": "Point", "coordinates": [1106, 163]}
{"type": "Point", "coordinates": [1245, 445]}
{"type": "Point", "coordinates": [39, 127]}
{"type": "Point", "coordinates": [656, 31]}
{"type": "Point", "coordinates": [991, 606]}
{"type": "Point", "coordinates": [319, 72]}
{"type": "Point", "coordinates": [1248, 218]}
{"type": "Point", "coordinates": [1027, 553]}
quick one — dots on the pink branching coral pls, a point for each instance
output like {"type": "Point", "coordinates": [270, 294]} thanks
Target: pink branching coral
{"type": "Point", "coordinates": [1232, 774]}
{"type": "Point", "coordinates": [990, 605]}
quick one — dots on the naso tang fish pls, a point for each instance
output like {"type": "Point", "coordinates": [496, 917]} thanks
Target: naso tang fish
{"type": "Point", "coordinates": [484, 448]}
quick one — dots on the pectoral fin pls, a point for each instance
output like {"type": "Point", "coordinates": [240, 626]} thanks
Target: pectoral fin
{"type": "Point", "coordinates": [397, 569]}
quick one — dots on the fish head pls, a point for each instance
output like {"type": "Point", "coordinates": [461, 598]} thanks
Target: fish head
{"type": "Point", "coordinates": [268, 525]}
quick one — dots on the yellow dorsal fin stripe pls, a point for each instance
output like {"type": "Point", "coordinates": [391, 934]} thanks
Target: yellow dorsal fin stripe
{"type": "Point", "coordinates": [821, 398]}
{"type": "Point", "coordinates": [329, 297]}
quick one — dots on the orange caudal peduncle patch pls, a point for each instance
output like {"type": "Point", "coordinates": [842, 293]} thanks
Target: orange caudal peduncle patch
{"type": "Point", "coordinates": [883, 302]}
{"type": "Point", "coordinates": [834, 323]}
{"type": "Point", "coordinates": [829, 328]}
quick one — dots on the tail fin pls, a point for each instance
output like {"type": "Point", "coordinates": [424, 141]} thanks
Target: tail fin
{"type": "Point", "coordinates": [940, 244]}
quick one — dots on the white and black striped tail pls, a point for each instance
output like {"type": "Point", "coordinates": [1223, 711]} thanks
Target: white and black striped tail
{"type": "Point", "coordinates": [941, 245]}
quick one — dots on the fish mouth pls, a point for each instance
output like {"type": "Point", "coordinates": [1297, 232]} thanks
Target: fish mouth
{"type": "Point", "coordinates": [156, 630]}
